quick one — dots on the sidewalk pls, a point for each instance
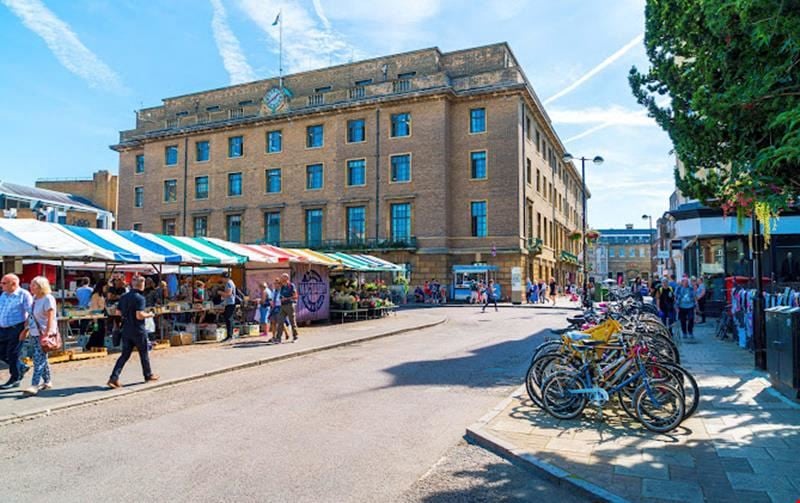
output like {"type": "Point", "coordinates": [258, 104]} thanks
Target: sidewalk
{"type": "Point", "coordinates": [81, 382]}
{"type": "Point", "coordinates": [561, 303]}
{"type": "Point", "coordinates": [741, 445]}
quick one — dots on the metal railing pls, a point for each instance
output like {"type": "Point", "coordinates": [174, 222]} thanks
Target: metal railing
{"type": "Point", "coordinates": [401, 86]}
{"type": "Point", "coordinates": [358, 92]}
{"type": "Point", "coordinates": [349, 245]}
{"type": "Point", "coordinates": [316, 99]}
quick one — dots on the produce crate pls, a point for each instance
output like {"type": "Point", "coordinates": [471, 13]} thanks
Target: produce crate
{"type": "Point", "coordinates": [59, 356]}
{"type": "Point", "coordinates": [181, 339]}
{"type": "Point", "coordinates": [92, 353]}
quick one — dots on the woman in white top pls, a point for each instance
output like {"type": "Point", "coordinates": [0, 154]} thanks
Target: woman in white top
{"type": "Point", "coordinates": [263, 308]}
{"type": "Point", "coordinates": [43, 321]}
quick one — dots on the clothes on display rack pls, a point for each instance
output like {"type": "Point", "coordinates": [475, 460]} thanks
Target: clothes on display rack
{"type": "Point", "coordinates": [742, 309]}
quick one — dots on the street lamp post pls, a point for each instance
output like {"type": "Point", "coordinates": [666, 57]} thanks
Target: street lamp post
{"type": "Point", "coordinates": [567, 157]}
{"type": "Point", "coordinates": [650, 218]}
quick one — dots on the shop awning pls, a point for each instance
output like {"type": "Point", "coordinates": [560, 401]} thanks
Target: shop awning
{"type": "Point", "coordinates": [30, 238]}
{"type": "Point", "coordinates": [123, 249]}
{"type": "Point", "coordinates": [209, 256]}
{"type": "Point", "coordinates": [315, 257]}
{"type": "Point", "coordinates": [381, 264]}
{"type": "Point", "coordinates": [474, 268]}
{"type": "Point", "coordinates": [173, 254]}
{"type": "Point", "coordinates": [254, 253]}
{"type": "Point", "coordinates": [352, 262]}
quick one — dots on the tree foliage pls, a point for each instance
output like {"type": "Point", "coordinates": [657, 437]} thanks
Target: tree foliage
{"type": "Point", "coordinates": [724, 83]}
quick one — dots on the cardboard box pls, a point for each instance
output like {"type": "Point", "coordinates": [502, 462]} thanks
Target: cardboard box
{"type": "Point", "coordinates": [181, 339]}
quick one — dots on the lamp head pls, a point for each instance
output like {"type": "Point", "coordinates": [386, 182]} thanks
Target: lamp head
{"type": "Point", "coordinates": [645, 217]}
{"type": "Point", "coordinates": [567, 157]}
{"type": "Point", "coordinates": [597, 160]}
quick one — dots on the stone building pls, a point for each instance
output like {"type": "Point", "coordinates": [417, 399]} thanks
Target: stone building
{"type": "Point", "coordinates": [20, 201]}
{"type": "Point", "coordinates": [622, 253]}
{"type": "Point", "coordinates": [427, 158]}
{"type": "Point", "coordinates": [101, 189]}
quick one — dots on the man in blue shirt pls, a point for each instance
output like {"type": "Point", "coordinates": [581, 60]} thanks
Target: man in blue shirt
{"type": "Point", "coordinates": [15, 304]}
{"type": "Point", "coordinates": [84, 295]}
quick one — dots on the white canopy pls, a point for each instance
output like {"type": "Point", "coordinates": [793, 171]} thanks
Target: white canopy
{"type": "Point", "coordinates": [33, 239]}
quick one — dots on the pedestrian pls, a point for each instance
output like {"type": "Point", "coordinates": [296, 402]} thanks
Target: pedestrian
{"type": "Point", "coordinates": [542, 292]}
{"type": "Point", "coordinates": [665, 300]}
{"type": "Point", "coordinates": [199, 292]}
{"type": "Point", "coordinates": [289, 296]}
{"type": "Point", "coordinates": [700, 291]}
{"type": "Point", "coordinates": [528, 291]}
{"type": "Point", "coordinates": [42, 322]}
{"type": "Point", "coordinates": [534, 292]}
{"type": "Point", "coordinates": [275, 309]}
{"type": "Point", "coordinates": [229, 301]}
{"type": "Point", "coordinates": [15, 305]}
{"type": "Point", "coordinates": [97, 305]}
{"type": "Point", "coordinates": [490, 296]}
{"type": "Point", "coordinates": [474, 289]}
{"type": "Point", "coordinates": [686, 298]}
{"type": "Point", "coordinates": [264, 306]}
{"type": "Point", "coordinates": [131, 308]}
{"type": "Point", "coordinates": [443, 294]}
{"type": "Point", "coordinates": [553, 291]}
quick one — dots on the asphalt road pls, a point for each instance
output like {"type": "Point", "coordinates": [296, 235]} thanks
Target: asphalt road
{"type": "Point", "coordinates": [378, 421]}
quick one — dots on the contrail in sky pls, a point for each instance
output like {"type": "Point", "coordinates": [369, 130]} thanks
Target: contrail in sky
{"type": "Point", "coordinates": [597, 69]}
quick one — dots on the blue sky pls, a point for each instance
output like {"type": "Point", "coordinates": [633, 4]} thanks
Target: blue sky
{"type": "Point", "coordinates": [73, 72]}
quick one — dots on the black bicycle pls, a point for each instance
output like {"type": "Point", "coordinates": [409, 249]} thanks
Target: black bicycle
{"type": "Point", "coordinates": [725, 324]}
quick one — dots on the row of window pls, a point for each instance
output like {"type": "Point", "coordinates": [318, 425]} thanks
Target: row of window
{"type": "Point", "coordinates": [620, 252]}
{"type": "Point", "coordinates": [356, 224]}
{"type": "Point", "coordinates": [315, 138]}
{"type": "Point", "coordinates": [356, 175]}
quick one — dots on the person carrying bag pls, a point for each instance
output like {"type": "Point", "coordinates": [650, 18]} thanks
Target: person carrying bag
{"type": "Point", "coordinates": [43, 328]}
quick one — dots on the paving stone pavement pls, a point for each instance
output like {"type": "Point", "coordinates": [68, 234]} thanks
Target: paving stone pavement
{"type": "Point", "coordinates": [742, 444]}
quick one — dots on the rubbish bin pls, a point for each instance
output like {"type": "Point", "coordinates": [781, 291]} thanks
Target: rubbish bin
{"type": "Point", "coordinates": [783, 349]}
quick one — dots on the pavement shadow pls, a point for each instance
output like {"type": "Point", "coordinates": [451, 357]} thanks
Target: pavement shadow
{"type": "Point", "coordinates": [492, 483]}
{"type": "Point", "coordinates": [500, 364]}
{"type": "Point", "coordinates": [52, 393]}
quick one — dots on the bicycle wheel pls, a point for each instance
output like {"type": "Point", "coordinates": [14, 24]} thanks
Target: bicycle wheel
{"type": "Point", "coordinates": [557, 399]}
{"type": "Point", "coordinates": [662, 347]}
{"type": "Point", "coordinates": [538, 371]}
{"type": "Point", "coordinates": [546, 347]}
{"type": "Point", "coordinates": [659, 406]}
{"type": "Point", "coordinates": [688, 386]}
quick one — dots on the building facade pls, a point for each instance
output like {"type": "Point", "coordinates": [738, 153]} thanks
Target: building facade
{"type": "Point", "coordinates": [101, 189]}
{"type": "Point", "coordinates": [430, 159]}
{"type": "Point", "coordinates": [622, 254]}
{"type": "Point", "coordinates": [20, 201]}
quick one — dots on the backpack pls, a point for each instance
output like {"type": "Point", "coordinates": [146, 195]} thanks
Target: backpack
{"type": "Point", "coordinates": [667, 295]}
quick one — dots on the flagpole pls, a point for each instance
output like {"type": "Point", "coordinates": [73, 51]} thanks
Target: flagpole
{"type": "Point", "coordinates": [280, 47]}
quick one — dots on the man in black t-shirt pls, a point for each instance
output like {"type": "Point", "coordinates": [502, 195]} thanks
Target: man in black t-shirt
{"type": "Point", "coordinates": [132, 309]}
{"type": "Point", "coordinates": [665, 297]}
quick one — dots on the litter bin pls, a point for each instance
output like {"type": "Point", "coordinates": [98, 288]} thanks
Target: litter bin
{"type": "Point", "coordinates": [783, 349]}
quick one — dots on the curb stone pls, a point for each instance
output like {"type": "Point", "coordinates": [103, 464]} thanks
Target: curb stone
{"type": "Point", "coordinates": [476, 434]}
{"type": "Point", "coordinates": [13, 418]}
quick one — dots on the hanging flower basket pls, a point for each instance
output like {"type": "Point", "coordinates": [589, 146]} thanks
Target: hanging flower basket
{"type": "Point", "coordinates": [575, 235]}
{"type": "Point", "coordinates": [592, 235]}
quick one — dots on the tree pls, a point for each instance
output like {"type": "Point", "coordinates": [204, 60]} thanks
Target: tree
{"type": "Point", "coordinates": [724, 83]}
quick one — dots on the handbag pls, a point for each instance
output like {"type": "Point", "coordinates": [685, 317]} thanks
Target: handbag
{"type": "Point", "coordinates": [48, 342]}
